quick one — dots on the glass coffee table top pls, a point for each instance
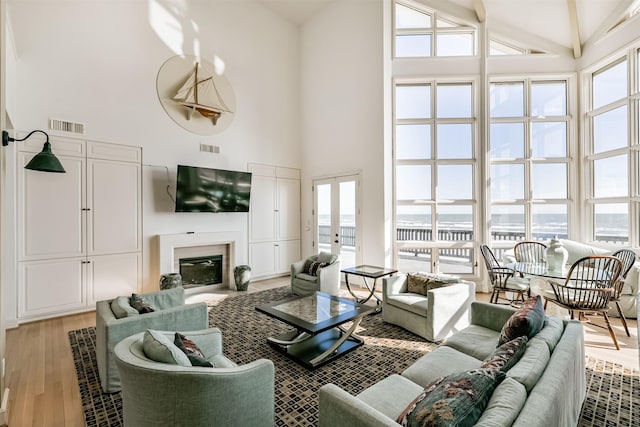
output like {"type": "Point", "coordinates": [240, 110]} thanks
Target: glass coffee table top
{"type": "Point", "coordinates": [319, 336]}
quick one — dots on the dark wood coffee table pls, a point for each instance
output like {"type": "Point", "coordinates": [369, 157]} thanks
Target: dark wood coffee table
{"type": "Point", "coordinates": [318, 337]}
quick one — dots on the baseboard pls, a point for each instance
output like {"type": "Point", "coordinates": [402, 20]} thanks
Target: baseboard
{"type": "Point", "coordinates": [4, 415]}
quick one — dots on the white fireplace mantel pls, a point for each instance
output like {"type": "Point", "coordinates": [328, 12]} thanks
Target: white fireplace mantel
{"type": "Point", "coordinates": [167, 243]}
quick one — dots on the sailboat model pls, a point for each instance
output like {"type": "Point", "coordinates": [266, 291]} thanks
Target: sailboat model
{"type": "Point", "coordinates": [199, 94]}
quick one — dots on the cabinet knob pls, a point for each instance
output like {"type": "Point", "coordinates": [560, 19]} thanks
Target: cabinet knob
{"type": "Point", "coordinates": [86, 209]}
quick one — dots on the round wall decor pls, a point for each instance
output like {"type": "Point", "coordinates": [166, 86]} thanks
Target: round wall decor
{"type": "Point", "coordinates": [195, 95]}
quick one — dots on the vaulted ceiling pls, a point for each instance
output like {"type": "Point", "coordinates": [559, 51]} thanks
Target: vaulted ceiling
{"type": "Point", "coordinates": [558, 24]}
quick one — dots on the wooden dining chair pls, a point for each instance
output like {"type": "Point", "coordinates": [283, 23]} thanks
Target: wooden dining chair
{"type": "Point", "coordinates": [588, 289]}
{"type": "Point", "coordinates": [628, 258]}
{"type": "Point", "coordinates": [530, 251]}
{"type": "Point", "coordinates": [503, 280]}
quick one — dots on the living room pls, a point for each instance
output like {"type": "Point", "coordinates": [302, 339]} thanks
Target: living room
{"type": "Point", "coordinates": [96, 63]}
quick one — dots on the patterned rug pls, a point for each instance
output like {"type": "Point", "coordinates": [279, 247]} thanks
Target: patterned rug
{"type": "Point", "coordinates": [612, 398]}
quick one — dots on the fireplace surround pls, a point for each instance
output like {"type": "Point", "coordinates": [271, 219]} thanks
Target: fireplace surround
{"type": "Point", "coordinates": [228, 244]}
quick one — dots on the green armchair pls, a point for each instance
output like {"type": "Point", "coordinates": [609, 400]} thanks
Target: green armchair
{"type": "Point", "coordinates": [171, 313]}
{"type": "Point", "coordinates": [156, 393]}
{"type": "Point", "coordinates": [325, 279]}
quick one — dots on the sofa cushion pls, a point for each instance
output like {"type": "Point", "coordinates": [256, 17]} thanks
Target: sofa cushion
{"type": "Point", "coordinates": [505, 404]}
{"type": "Point", "coordinates": [476, 341]}
{"type": "Point", "coordinates": [327, 258]}
{"type": "Point", "coordinates": [140, 304]}
{"type": "Point", "coordinates": [414, 303]}
{"type": "Point", "coordinates": [403, 391]}
{"type": "Point", "coordinates": [507, 355]}
{"type": "Point", "coordinates": [121, 308]}
{"type": "Point", "coordinates": [551, 332]}
{"type": "Point", "coordinates": [527, 320]}
{"type": "Point", "coordinates": [454, 400]}
{"type": "Point", "coordinates": [221, 361]}
{"type": "Point", "coordinates": [421, 283]}
{"type": "Point", "coordinates": [532, 364]}
{"type": "Point", "coordinates": [437, 363]}
{"type": "Point", "coordinates": [188, 347]}
{"type": "Point", "coordinates": [159, 348]}
{"type": "Point", "coordinates": [577, 250]}
{"type": "Point", "coordinates": [307, 277]}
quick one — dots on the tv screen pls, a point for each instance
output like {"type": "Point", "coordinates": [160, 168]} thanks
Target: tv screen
{"type": "Point", "coordinates": [212, 190]}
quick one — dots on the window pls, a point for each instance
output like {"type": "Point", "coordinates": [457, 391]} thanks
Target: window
{"type": "Point", "coordinates": [529, 162]}
{"type": "Point", "coordinates": [417, 36]}
{"type": "Point", "coordinates": [610, 150]}
{"type": "Point", "coordinates": [435, 176]}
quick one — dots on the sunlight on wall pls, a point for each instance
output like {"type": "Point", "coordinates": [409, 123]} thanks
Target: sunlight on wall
{"type": "Point", "coordinates": [168, 20]}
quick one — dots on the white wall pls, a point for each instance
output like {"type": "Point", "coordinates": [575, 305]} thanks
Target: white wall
{"type": "Point", "coordinates": [96, 63]}
{"type": "Point", "coordinates": [342, 111]}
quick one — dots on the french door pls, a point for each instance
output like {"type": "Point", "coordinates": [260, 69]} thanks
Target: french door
{"type": "Point", "coordinates": [337, 217]}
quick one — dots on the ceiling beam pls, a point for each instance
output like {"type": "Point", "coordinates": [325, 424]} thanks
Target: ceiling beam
{"type": "Point", "coordinates": [575, 31]}
{"type": "Point", "coordinates": [480, 10]}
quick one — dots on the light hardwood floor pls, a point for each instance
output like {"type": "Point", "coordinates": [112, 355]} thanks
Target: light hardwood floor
{"type": "Point", "coordinates": [42, 379]}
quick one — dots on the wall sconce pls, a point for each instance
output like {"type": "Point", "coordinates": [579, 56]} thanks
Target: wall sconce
{"type": "Point", "coordinates": [44, 161]}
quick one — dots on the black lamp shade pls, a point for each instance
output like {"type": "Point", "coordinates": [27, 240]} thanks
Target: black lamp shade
{"type": "Point", "coordinates": [45, 161]}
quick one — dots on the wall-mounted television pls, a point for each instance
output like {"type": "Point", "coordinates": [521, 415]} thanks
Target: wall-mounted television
{"type": "Point", "coordinates": [212, 190]}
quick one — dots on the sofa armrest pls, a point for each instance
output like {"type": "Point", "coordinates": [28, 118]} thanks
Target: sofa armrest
{"type": "Point", "coordinates": [394, 285]}
{"type": "Point", "coordinates": [297, 267]}
{"type": "Point", "coordinates": [339, 408]}
{"type": "Point", "coordinates": [449, 308]}
{"type": "Point", "coordinates": [329, 278]}
{"type": "Point", "coordinates": [492, 316]}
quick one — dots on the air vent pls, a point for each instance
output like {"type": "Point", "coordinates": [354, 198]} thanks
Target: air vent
{"type": "Point", "coordinates": [66, 126]}
{"type": "Point", "coordinates": [209, 148]}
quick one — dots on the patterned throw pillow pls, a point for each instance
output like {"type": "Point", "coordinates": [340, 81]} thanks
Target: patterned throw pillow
{"type": "Point", "coordinates": [188, 347]}
{"type": "Point", "coordinates": [507, 355]}
{"type": "Point", "coordinates": [455, 400]}
{"type": "Point", "coordinates": [421, 283]}
{"type": "Point", "coordinates": [315, 266]}
{"type": "Point", "coordinates": [527, 320]}
{"type": "Point", "coordinates": [140, 304]}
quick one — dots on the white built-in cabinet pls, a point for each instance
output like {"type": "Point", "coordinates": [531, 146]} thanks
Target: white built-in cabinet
{"type": "Point", "coordinates": [274, 220]}
{"type": "Point", "coordinates": [79, 233]}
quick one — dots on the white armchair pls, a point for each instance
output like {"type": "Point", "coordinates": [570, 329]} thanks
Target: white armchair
{"type": "Point", "coordinates": [326, 278]}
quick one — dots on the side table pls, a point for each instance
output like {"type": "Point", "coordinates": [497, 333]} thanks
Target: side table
{"type": "Point", "coordinates": [371, 272]}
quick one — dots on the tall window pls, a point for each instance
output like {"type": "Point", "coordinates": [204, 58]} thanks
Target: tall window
{"type": "Point", "coordinates": [529, 159]}
{"type": "Point", "coordinates": [435, 175]}
{"type": "Point", "coordinates": [421, 34]}
{"type": "Point", "coordinates": [612, 155]}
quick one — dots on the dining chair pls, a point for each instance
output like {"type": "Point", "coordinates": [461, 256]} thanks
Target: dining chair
{"type": "Point", "coordinates": [530, 251]}
{"type": "Point", "coordinates": [503, 279]}
{"type": "Point", "coordinates": [628, 258]}
{"type": "Point", "coordinates": [588, 289]}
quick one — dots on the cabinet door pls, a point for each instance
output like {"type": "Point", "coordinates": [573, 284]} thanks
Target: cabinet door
{"type": "Point", "coordinates": [50, 217]}
{"type": "Point", "coordinates": [288, 209]}
{"type": "Point", "coordinates": [113, 203]}
{"type": "Point", "coordinates": [50, 286]}
{"type": "Point", "coordinates": [262, 213]}
{"type": "Point", "coordinates": [288, 252]}
{"type": "Point", "coordinates": [262, 259]}
{"type": "Point", "coordinates": [109, 276]}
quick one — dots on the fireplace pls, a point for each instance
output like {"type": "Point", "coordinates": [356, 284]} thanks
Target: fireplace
{"type": "Point", "coordinates": [201, 270]}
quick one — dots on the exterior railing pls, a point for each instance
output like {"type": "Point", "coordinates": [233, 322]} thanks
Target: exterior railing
{"type": "Point", "coordinates": [417, 234]}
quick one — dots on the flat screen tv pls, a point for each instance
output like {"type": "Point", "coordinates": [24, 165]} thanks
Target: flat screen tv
{"type": "Point", "coordinates": [212, 190]}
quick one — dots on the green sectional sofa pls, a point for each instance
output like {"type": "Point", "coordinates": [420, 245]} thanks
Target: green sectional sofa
{"type": "Point", "coordinates": [546, 387]}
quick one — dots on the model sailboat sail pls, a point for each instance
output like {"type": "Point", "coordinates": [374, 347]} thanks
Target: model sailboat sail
{"type": "Point", "coordinates": [199, 93]}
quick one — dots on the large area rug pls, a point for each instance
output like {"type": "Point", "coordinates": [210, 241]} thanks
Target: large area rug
{"type": "Point", "coordinates": [613, 392]}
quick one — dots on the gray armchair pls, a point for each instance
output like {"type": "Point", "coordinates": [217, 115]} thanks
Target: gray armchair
{"type": "Point", "coordinates": [171, 314]}
{"type": "Point", "coordinates": [435, 316]}
{"type": "Point", "coordinates": [156, 393]}
{"type": "Point", "coordinates": [327, 279]}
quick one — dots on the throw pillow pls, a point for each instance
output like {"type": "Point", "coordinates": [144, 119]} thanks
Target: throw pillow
{"type": "Point", "coordinates": [454, 400]}
{"type": "Point", "coordinates": [507, 355]}
{"type": "Point", "coordinates": [421, 283]}
{"type": "Point", "coordinates": [527, 320]}
{"type": "Point", "coordinates": [120, 307]}
{"type": "Point", "coordinates": [188, 347]}
{"type": "Point", "coordinates": [140, 304]}
{"type": "Point", "coordinates": [159, 348]}
{"type": "Point", "coordinates": [315, 266]}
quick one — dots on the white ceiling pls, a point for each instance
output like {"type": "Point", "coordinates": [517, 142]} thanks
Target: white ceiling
{"type": "Point", "coordinates": [548, 20]}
